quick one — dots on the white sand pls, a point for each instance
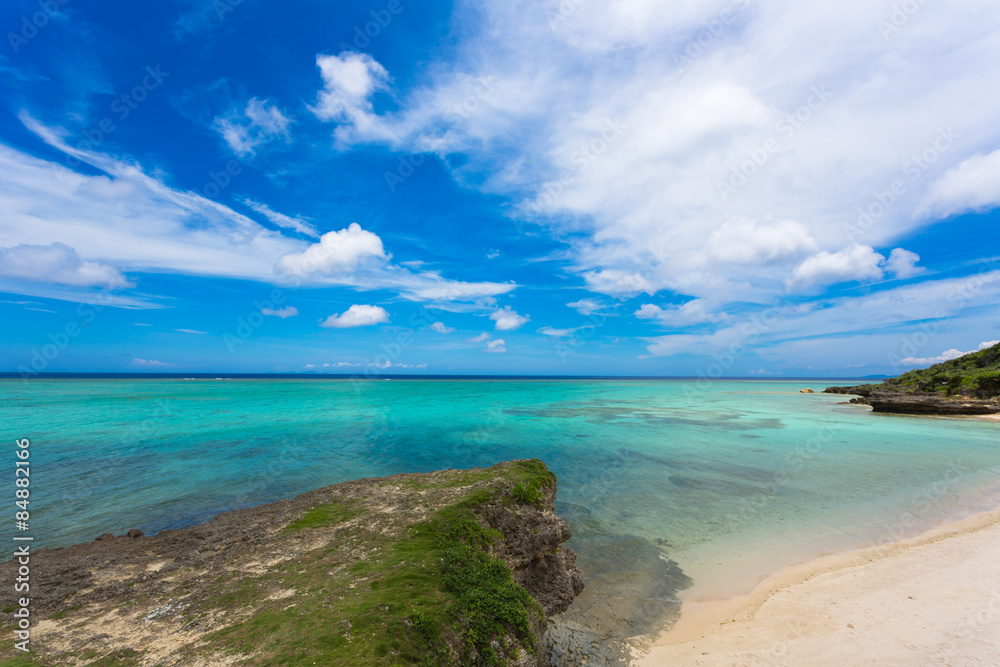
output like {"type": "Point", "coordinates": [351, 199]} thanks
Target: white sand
{"type": "Point", "coordinates": [931, 600]}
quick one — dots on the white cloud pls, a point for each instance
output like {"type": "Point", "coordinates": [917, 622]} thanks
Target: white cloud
{"type": "Point", "coordinates": [973, 185]}
{"type": "Point", "coordinates": [748, 243]}
{"type": "Point", "coordinates": [257, 124]}
{"type": "Point", "coordinates": [947, 355]}
{"type": "Point", "coordinates": [441, 328]}
{"type": "Point", "coordinates": [618, 121]}
{"type": "Point", "coordinates": [357, 316]}
{"type": "Point", "coordinates": [558, 333]}
{"type": "Point", "coordinates": [282, 220]}
{"type": "Point", "coordinates": [58, 263]}
{"type": "Point", "coordinates": [283, 313]}
{"type": "Point", "coordinates": [126, 218]}
{"type": "Point", "coordinates": [349, 81]}
{"type": "Point", "coordinates": [370, 364]}
{"type": "Point", "coordinates": [148, 363]}
{"type": "Point", "coordinates": [191, 331]}
{"type": "Point", "coordinates": [356, 257]}
{"type": "Point", "coordinates": [855, 263]}
{"type": "Point", "coordinates": [787, 332]}
{"type": "Point", "coordinates": [336, 253]}
{"type": "Point", "coordinates": [586, 306]}
{"type": "Point", "coordinates": [480, 338]}
{"type": "Point", "coordinates": [507, 319]}
{"type": "Point", "coordinates": [696, 311]}
{"type": "Point", "coordinates": [903, 263]}
{"type": "Point", "coordinates": [496, 346]}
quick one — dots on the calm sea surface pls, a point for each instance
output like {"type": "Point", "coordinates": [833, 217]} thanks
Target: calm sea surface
{"type": "Point", "coordinates": [668, 485]}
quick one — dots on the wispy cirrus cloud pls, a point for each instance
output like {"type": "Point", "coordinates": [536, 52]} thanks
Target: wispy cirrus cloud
{"type": "Point", "coordinates": [125, 220]}
{"type": "Point", "coordinates": [258, 123]}
{"type": "Point", "coordinates": [297, 224]}
{"type": "Point", "coordinates": [635, 176]}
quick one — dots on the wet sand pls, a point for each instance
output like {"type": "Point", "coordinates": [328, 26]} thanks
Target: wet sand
{"type": "Point", "coordinates": [930, 600]}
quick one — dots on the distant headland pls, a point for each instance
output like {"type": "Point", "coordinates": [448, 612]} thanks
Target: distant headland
{"type": "Point", "coordinates": [968, 385]}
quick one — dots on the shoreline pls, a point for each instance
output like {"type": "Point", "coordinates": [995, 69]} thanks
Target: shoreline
{"type": "Point", "coordinates": [806, 611]}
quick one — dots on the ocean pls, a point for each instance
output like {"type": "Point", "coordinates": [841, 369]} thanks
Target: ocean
{"type": "Point", "coordinates": [673, 488]}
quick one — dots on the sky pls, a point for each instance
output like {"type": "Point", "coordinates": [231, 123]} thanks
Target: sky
{"type": "Point", "coordinates": [576, 187]}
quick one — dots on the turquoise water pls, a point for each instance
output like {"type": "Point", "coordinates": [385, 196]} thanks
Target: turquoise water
{"type": "Point", "coordinates": [730, 480]}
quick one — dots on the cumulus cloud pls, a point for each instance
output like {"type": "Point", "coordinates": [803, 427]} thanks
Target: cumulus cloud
{"type": "Point", "coordinates": [480, 338]}
{"type": "Point", "coordinates": [58, 263]}
{"type": "Point", "coordinates": [259, 123]}
{"type": "Point", "coordinates": [336, 253]}
{"type": "Point", "coordinates": [750, 243]}
{"type": "Point", "coordinates": [696, 311]}
{"type": "Point", "coordinates": [624, 118]}
{"type": "Point", "coordinates": [357, 316]}
{"type": "Point", "coordinates": [356, 257]}
{"type": "Point", "coordinates": [947, 355]}
{"type": "Point", "coordinates": [855, 263]}
{"type": "Point", "coordinates": [903, 263]}
{"type": "Point", "coordinates": [507, 319]}
{"type": "Point", "coordinates": [298, 224]}
{"type": "Point", "coordinates": [586, 306]}
{"type": "Point", "coordinates": [283, 313]}
{"type": "Point", "coordinates": [349, 81]}
{"type": "Point", "coordinates": [496, 346]}
{"type": "Point", "coordinates": [441, 328]}
{"type": "Point", "coordinates": [973, 185]}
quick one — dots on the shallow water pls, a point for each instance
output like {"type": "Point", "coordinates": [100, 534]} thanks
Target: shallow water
{"type": "Point", "coordinates": [728, 481]}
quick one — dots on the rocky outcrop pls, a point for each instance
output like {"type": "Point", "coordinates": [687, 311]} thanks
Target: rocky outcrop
{"type": "Point", "coordinates": [361, 554]}
{"type": "Point", "coordinates": [894, 402]}
{"type": "Point", "coordinates": [532, 549]}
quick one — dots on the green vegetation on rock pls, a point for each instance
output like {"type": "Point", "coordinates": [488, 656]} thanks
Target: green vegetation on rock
{"type": "Point", "coordinates": [975, 375]}
{"type": "Point", "coordinates": [400, 570]}
{"type": "Point", "coordinates": [431, 593]}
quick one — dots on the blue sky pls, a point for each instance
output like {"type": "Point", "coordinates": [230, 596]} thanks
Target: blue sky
{"type": "Point", "coordinates": [748, 187]}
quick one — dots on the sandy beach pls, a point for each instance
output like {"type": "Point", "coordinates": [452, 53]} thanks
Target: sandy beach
{"type": "Point", "coordinates": [930, 600]}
